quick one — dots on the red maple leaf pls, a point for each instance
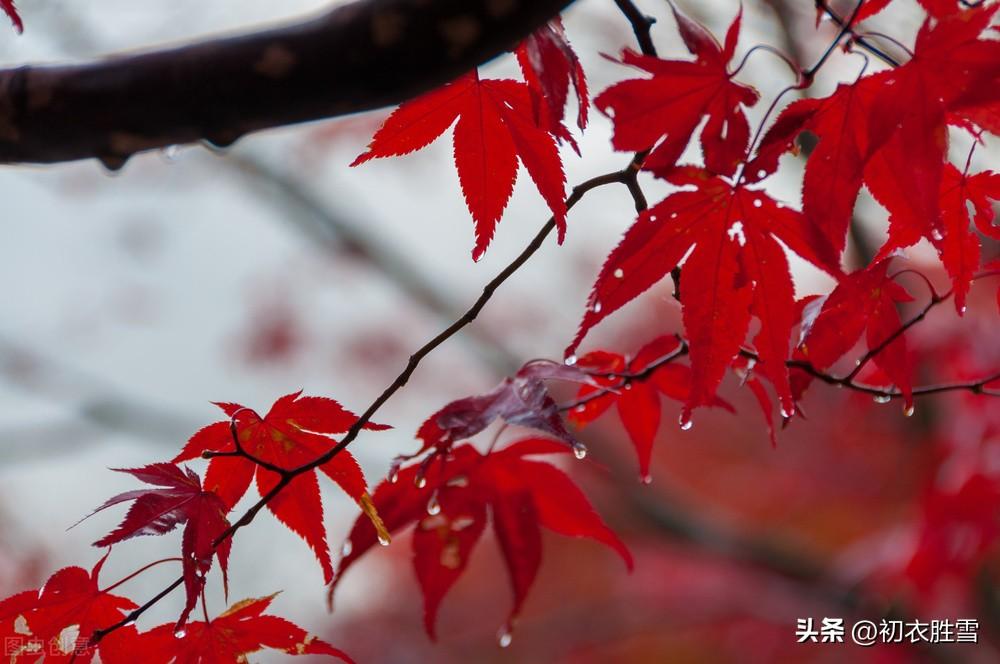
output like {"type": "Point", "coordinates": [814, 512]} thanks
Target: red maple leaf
{"type": "Point", "coordinates": [57, 621]}
{"type": "Point", "coordinates": [957, 245]}
{"type": "Point", "coordinates": [889, 131]}
{"type": "Point", "coordinates": [736, 268]}
{"type": "Point", "coordinates": [8, 7]}
{"type": "Point", "coordinates": [848, 131]}
{"type": "Point", "coordinates": [638, 402]}
{"type": "Point", "coordinates": [666, 109]}
{"type": "Point", "coordinates": [864, 302]}
{"type": "Point", "coordinates": [181, 500]}
{"type": "Point", "coordinates": [549, 66]}
{"type": "Point", "coordinates": [230, 637]}
{"type": "Point", "coordinates": [289, 436]}
{"type": "Point", "coordinates": [496, 126]}
{"type": "Point", "coordinates": [936, 8]}
{"type": "Point", "coordinates": [450, 506]}
{"type": "Point", "coordinates": [523, 400]}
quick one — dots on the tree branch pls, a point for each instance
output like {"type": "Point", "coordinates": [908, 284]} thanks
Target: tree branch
{"type": "Point", "coordinates": [356, 57]}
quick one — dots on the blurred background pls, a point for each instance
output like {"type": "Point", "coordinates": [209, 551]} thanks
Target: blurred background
{"type": "Point", "coordinates": [133, 299]}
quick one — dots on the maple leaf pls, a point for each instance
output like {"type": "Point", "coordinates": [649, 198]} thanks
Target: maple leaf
{"type": "Point", "coordinates": [549, 66]}
{"type": "Point", "coordinates": [8, 7]}
{"type": "Point", "coordinates": [450, 510]}
{"type": "Point", "coordinates": [936, 8]}
{"type": "Point", "coordinates": [522, 400]}
{"type": "Point", "coordinates": [180, 500]}
{"type": "Point", "coordinates": [957, 246]}
{"type": "Point", "coordinates": [496, 126]}
{"type": "Point", "coordinates": [952, 70]}
{"type": "Point", "coordinates": [835, 170]}
{"type": "Point", "coordinates": [57, 621]}
{"type": "Point", "coordinates": [889, 132]}
{"type": "Point", "coordinates": [289, 436]}
{"type": "Point", "coordinates": [864, 302]}
{"type": "Point", "coordinates": [242, 630]}
{"type": "Point", "coordinates": [736, 268]}
{"type": "Point", "coordinates": [663, 111]}
{"type": "Point", "coordinates": [637, 402]}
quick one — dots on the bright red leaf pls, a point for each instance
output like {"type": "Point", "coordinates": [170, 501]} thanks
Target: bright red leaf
{"type": "Point", "coordinates": [736, 269]}
{"type": "Point", "coordinates": [180, 500]}
{"type": "Point", "coordinates": [227, 639]}
{"type": "Point", "coordinates": [450, 507]}
{"type": "Point", "coordinates": [57, 621]}
{"type": "Point", "coordinates": [864, 302]}
{"type": "Point", "coordinates": [666, 109]}
{"type": "Point", "coordinates": [549, 66]}
{"type": "Point", "coordinates": [496, 126]}
{"type": "Point", "coordinates": [638, 402]}
{"type": "Point", "coordinates": [292, 434]}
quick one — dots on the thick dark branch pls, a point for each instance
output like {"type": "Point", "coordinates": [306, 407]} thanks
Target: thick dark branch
{"type": "Point", "coordinates": [357, 57]}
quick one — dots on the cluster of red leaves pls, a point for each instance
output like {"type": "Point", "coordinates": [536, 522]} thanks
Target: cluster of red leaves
{"type": "Point", "coordinates": [60, 620]}
{"type": "Point", "coordinates": [498, 123]}
{"type": "Point", "coordinates": [449, 500]}
{"type": "Point", "coordinates": [886, 131]}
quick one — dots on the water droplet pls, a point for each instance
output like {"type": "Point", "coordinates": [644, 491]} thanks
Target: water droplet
{"type": "Point", "coordinates": [619, 273]}
{"type": "Point", "coordinates": [936, 234]}
{"type": "Point", "coordinates": [685, 421]}
{"type": "Point", "coordinates": [628, 386]}
{"type": "Point", "coordinates": [579, 450]}
{"type": "Point", "coordinates": [786, 415]}
{"type": "Point", "coordinates": [961, 310]}
{"type": "Point", "coordinates": [420, 482]}
{"type": "Point", "coordinates": [113, 162]}
{"type": "Point", "coordinates": [383, 540]}
{"type": "Point", "coordinates": [180, 633]}
{"type": "Point", "coordinates": [346, 549]}
{"type": "Point", "coordinates": [582, 407]}
{"type": "Point", "coordinates": [570, 361]}
{"type": "Point", "coordinates": [393, 474]}
{"type": "Point", "coordinates": [757, 202]}
{"type": "Point", "coordinates": [433, 505]}
{"type": "Point", "coordinates": [170, 152]}
{"type": "Point", "coordinates": [908, 411]}
{"type": "Point", "coordinates": [504, 637]}
{"type": "Point", "coordinates": [761, 173]}
{"type": "Point", "coordinates": [881, 398]}
{"type": "Point", "coordinates": [597, 307]}
{"type": "Point", "coordinates": [646, 479]}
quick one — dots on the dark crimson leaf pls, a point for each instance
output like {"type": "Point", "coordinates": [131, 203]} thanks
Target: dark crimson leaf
{"type": "Point", "coordinates": [449, 509]}
{"type": "Point", "coordinates": [180, 500]}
